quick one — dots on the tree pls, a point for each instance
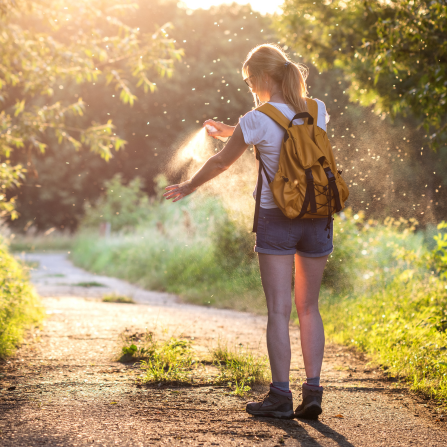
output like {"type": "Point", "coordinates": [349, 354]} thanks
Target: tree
{"type": "Point", "coordinates": [214, 41]}
{"type": "Point", "coordinates": [393, 53]}
{"type": "Point", "coordinates": [47, 46]}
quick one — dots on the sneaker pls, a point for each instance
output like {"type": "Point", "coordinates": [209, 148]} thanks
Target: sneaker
{"type": "Point", "coordinates": [310, 408]}
{"type": "Point", "coordinates": [274, 404]}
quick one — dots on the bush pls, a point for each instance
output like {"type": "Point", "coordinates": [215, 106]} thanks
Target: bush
{"type": "Point", "coordinates": [123, 207]}
{"type": "Point", "coordinates": [402, 324]}
{"type": "Point", "coordinates": [193, 250]}
{"type": "Point", "coordinates": [363, 254]}
{"type": "Point", "coordinates": [20, 307]}
{"type": "Point", "coordinates": [233, 245]}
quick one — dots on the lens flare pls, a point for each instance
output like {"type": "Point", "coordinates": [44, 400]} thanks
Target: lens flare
{"type": "Point", "coordinates": [234, 187]}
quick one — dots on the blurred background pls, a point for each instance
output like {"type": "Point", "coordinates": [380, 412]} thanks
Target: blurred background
{"type": "Point", "coordinates": [386, 159]}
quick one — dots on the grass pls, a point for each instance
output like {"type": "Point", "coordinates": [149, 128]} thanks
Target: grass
{"type": "Point", "coordinates": [239, 367]}
{"type": "Point", "coordinates": [195, 251]}
{"type": "Point", "coordinates": [89, 284]}
{"type": "Point", "coordinates": [173, 361]}
{"type": "Point", "coordinates": [402, 327]}
{"type": "Point", "coordinates": [20, 307]}
{"type": "Point", "coordinates": [114, 298]}
{"type": "Point", "coordinates": [169, 361]}
{"type": "Point", "coordinates": [50, 242]}
{"type": "Point", "coordinates": [31, 265]}
{"type": "Point", "coordinates": [401, 322]}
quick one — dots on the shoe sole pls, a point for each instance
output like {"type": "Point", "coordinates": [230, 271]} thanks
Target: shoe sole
{"type": "Point", "coordinates": [311, 412]}
{"type": "Point", "coordinates": [273, 414]}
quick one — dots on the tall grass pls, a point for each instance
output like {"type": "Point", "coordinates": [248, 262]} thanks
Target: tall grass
{"type": "Point", "coordinates": [51, 242]}
{"type": "Point", "coordinates": [193, 249]}
{"type": "Point", "coordinates": [20, 307]}
{"type": "Point", "coordinates": [402, 326]}
{"type": "Point", "coordinates": [400, 322]}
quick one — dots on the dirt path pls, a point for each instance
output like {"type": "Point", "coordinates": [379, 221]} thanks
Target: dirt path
{"type": "Point", "coordinates": [64, 389]}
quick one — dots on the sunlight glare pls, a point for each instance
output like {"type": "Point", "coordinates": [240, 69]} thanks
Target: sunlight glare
{"type": "Point", "coordinates": [262, 6]}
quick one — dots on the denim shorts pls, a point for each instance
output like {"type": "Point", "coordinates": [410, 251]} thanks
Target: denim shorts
{"type": "Point", "coordinates": [279, 235]}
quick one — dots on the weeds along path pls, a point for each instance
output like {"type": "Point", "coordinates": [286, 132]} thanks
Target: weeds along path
{"type": "Point", "coordinates": [65, 389]}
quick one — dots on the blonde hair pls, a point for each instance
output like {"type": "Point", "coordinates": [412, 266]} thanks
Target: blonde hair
{"type": "Point", "coordinates": [270, 59]}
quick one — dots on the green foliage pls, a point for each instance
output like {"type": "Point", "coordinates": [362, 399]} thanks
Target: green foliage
{"type": "Point", "coordinates": [391, 54]}
{"type": "Point", "coordinates": [239, 367]}
{"type": "Point", "coordinates": [20, 308]}
{"type": "Point", "coordinates": [170, 361]}
{"type": "Point", "coordinates": [175, 250]}
{"type": "Point", "coordinates": [402, 324]}
{"type": "Point", "coordinates": [48, 45]}
{"type": "Point", "coordinates": [196, 250]}
{"type": "Point", "coordinates": [129, 350]}
{"type": "Point", "coordinates": [233, 244]}
{"type": "Point", "coordinates": [89, 284]}
{"type": "Point", "coordinates": [122, 206]}
{"type": "Point", "coordinates": [173, 361]}
{"type": "Point", "coordinates": [114, 298]}
{"type": "Point", "coordinates": [439, 254]}
{"type": "Point", "coordinates": [137, 346]}
{"type": "Point", "coordinates": [365, 252]}
{"type": "Point", "coordinates": [48, 241]}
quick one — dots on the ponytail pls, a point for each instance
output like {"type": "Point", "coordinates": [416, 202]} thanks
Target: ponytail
{"type": "Point", "coordinates": [270, 59]}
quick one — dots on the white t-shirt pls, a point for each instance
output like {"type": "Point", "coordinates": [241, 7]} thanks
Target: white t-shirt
{"type": "Point", "coordinates": [260, 130]}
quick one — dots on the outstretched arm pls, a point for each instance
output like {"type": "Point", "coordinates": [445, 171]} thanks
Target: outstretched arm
{"type": "Point", "coordinates": [212, 168]}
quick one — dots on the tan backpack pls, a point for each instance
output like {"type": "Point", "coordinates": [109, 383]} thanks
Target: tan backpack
{"type": "Point", "coordinates": [307, 183]}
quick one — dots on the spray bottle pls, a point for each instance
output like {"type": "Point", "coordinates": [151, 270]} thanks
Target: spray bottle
{"type": "Point", "coordinates": [213, 129]}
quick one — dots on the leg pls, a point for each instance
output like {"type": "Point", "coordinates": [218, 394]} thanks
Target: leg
{"type": "Point", "coordinates": [308, 276]}
{"type": "Point", "coordinates": [276, 275]}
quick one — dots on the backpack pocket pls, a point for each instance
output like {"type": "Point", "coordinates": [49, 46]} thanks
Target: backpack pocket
{"type": "Point", "coordinates": [287, 194]}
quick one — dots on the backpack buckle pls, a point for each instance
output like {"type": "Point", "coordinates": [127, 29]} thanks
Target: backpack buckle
{"type": "Point", "coordinates": [330, 176]}
{"type": "Point", "coordinates": [309, 176]}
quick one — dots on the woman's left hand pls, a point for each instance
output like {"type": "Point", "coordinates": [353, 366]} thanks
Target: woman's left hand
{"type": "Point", "coordinates": [177, 192]}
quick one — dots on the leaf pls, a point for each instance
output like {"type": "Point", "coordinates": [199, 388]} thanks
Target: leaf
{"type": "Point", "coordinates": [19, 107]}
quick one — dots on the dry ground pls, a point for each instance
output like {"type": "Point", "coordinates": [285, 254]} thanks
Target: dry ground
{"type": "Point", "coordinates": [64, 389]}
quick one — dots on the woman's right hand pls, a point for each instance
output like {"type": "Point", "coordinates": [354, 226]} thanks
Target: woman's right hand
{"type": "Point", "coordinates": [223, 130]}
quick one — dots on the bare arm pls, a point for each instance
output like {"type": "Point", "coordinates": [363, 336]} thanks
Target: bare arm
{"type": "Point", "coordinates": [214, 166]}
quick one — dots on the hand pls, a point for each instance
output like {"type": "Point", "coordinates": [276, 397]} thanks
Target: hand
{"type": "Point", "coordinates": [177, 192]}
{"type": "Point", "coordinates": [223, 130]}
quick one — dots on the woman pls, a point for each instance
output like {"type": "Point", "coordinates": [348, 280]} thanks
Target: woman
{"type": "Point", "coordinates": [280, 241]}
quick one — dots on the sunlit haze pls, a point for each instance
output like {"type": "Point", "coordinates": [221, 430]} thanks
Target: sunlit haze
{"type": "Point", "coordinates": [263, 6]}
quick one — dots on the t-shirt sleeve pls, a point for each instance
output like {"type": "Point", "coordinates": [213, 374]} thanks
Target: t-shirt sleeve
{"type": "Point", "coordinates": [323, 116]}
{"type": "Point", "coordinates": [252, 126]}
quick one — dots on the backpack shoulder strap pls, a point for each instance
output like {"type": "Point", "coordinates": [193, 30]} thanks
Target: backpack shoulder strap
{"type": "Point", "coordinates": [273, 113]}
{"type": "Point", "coordinates": [312, 106]}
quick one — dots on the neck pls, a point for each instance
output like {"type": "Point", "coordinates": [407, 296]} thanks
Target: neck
{"type": "Point", "coordinates": [277, 96]}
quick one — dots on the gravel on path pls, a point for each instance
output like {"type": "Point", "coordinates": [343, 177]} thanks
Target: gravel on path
{"type": "Point", "coordinates": [63, 387]}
